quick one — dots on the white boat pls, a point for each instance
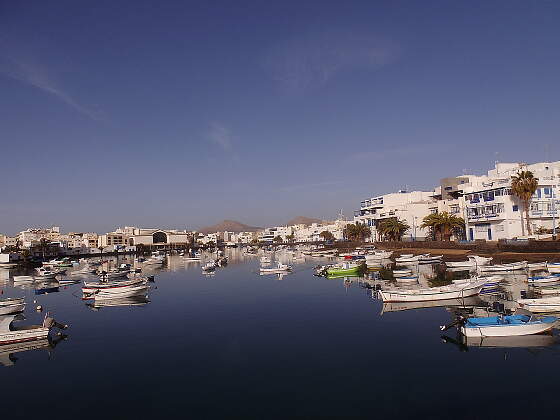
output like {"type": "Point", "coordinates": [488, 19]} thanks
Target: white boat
{"type": "Point", "coordinates": [553, 267]}
{"type": "Point", "coordinates": [12, 306]}
{"type": "Point", "coordinates": [407, 279]}
{"type": "Point", "coordinates": [12, 334]}
{"type": "Point", "coordinates": [548, 304]}
{"type": "Point", "coordinates": [409, 258]}
{"type": "Point", "coordinates": [472, 262]}
{"type": "Point", "coordinates": [543, 280]}
{"type": "Point", "coordinates": [453, 291]}
{"type": "Point", "coordinates": [114, 274]}
{"type": "Point", "coordinates": [209, 266]}
{"type": "Point", "coordinates": [191, 258]}
{"type": "Point", "coordinates": [490, 282]}
{"type": "Point", "coordinates": [122, 292]}
{"type": "Point", "coordinates": [265, 260]}
{"type": "Point", "coordinates": [402, 273]}
{"type": "Point", "coordinates": [278, 269]}
{"type": "Point", "coordinates": [425, 259]}
{"type": "Point", "coordinates": [480, 260]}
{"type": "Point", "coordinates": [507, 326]}
{"type": "Point", "coordinates": [154, 261]}
{"type": "Point", "coordinates": [104, 288]}
{"type": "Point", "coordinates": [379, 255]}
{"type": "Point", "coordinates": [537, 266]}
{"type": "Point", "coordinates": [503, 267]}
{"type": "Point", "coordinates": [22, 279]}
{"type": "Point", "coordinates": [43, 273]}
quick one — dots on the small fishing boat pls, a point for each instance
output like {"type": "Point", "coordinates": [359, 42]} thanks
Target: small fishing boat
{"type": "Point", "coordinates": [407, 279]}
{"type": "Point", "coordinates": [11, 305]}
{"type": "Point", "coordinates": [490, 282]}
{"type": "Point", "coordinates": [402, 273]}
{"type": "Point", "coordinates": [265, 260]}
{"type": "Point", "coordinates": [278, 269]}
{"type": "Point", "coordinates": [543, 280]}
{"type": "Point", "coordinates": [503, 267]}
{"type": "Point", "coordinates": [553, 289]}
{"type": "Point", "coordinates": [548, 304]}
{"type": "Point", "coordinates": [430, 259]}
{"type": "Point", "coordinates": [113, 274]}
{"type": "Point", "coordinates": [345, 268]}
{"type": "Point", "coordinates": [553, 267]}
{"type": "Point", "coordinates": [43, 273]}
{"type": "Point", "coordinates": [23, 279]}
{"type": "Point", "coordinates": [521, 323]}
{"type": "Point", "coordinates": [113, 288]}
{"type": "Point", "coordinates": [12, 334]}
{"type": "Point", "coordinates": [409, 258]}
{"type": "Point", "coordinates": [209, 266]}
{"type": "Point", "coordinates": [537, 266]}
{"type": "Point", "coordinates": [154, 261]}
{"type": "Point", "coordinates": [453, 291]}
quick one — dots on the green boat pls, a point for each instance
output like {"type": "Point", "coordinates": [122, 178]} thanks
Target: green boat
{"type": "Point", "coordinates": [346, 269]}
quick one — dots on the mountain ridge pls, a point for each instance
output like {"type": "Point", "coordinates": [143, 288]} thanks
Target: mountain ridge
{"type": "Point", "coordinates": [228, 225]}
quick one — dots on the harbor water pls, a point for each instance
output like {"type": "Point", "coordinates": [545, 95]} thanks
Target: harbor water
{"type": "Point", "coordinates": [237, 344]}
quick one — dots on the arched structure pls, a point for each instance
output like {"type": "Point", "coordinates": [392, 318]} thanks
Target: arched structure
{"type": "Point", "coordinates": [159, 237]}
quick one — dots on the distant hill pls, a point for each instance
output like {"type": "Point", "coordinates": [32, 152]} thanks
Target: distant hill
{"type": "Point", "coordinates": [302, 220]}
{"type": "Point", "coordinates": [229, 226]}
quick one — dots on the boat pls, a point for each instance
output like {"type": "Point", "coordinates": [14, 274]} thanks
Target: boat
{"type": "Point", "coordinates": [11, 305]}
{"type": "Point", "coordinates": [10, 334]}
{"type": "Point", "coordinates": [430, 259]}
{"type": "Point", "coordinates": [113, 274]}
{"type": "Point", "coordinates": [453, 291]}
{"type": "Point", "coordinates": [118, 288]}
{"type": "Point", "coordinates": [343, 269]}
{"type": "Point", "coordinates": [209, 266]}
{"type": "Point", "coordinates": [548, 304]}
{"type": "Point", "coordinates": [468, 302]}
{"type": "Point", "coordinates": [543, 280]}
{"type": "Point", "coordinates": [402, 273]}
{"type": "Point", "coordinates": [537, 266]}
{"type": "Point", "coordinates": [278, 269]}
{"type": "Point", "coordinates": [472, 262]}
{"type": "Point", "coordinates": [265, 260]}
{"type": "Point", "coordinates": [503, 267]}
{"type": "Point", "coordinates": [154, 261]}
{"type": "Point", "coordinates": [490, 282]}
{"type": "Point", "coordinates": [521, 323]}
{"type": "Point", "coordinates": [520, 341]}
{"type": "Point", "coordinates": [43, 273]}
{"type": "Point", "coordinates": [553, 267]}
{"type": "Point", "coordinates": [409, 258]}
{"type": "Point", "coordinates": [23, 279]}
{"type": "Point", "coordinates": [407, 279]}
{"type": "Point", "coordinates": [137, 300]}
{"type": "Point", "coordinates": [122, 292]}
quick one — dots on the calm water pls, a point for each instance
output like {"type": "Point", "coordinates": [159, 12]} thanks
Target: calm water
{"type": "Point", "coordinates": [241, 345]}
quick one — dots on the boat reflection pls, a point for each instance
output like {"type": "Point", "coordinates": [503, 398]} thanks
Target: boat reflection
{"type": "Point", "coordinates": [462, 303]}
{"type": "Point", "coordinates": [126, 301]}
{"type": "Point", "coordinates": [524, 341]}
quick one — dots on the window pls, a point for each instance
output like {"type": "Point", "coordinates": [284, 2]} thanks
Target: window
{"type": "Point", "coordinates": [515, 207]}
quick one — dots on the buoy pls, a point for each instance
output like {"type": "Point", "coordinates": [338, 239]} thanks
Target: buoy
{"type": "Point", "coordinates": [39, 308]}
{"type": "Point", "coordinates": [35, 301]}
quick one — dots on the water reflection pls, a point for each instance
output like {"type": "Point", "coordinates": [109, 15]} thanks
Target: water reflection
{"type": "Point", "coordinates": [127, 301]}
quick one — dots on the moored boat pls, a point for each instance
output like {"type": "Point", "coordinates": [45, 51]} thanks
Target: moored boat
{"type": "Point", "coordinates": [503, 267]}
{"type": "Point", "coordinates": [452, 291]}
{"type": "Point", "coordinates": [553, 267]}
{"type": "Point", "coordinates": [521, 323]}
{"type": "Point", "coordinates": [548, 304]}
{"type": "Point", "coordinates": [11, 305]}
{"type": "Point", "coordinates": [278, 269]}
{"type": "Point", "coordinates": [13, 334]}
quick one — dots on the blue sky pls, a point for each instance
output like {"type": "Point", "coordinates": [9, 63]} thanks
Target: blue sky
{"type": "Point", "coordinates": [180, 114]}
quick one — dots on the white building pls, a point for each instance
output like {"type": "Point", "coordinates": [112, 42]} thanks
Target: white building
{"type": "Point", "coordinates": [493, 213]}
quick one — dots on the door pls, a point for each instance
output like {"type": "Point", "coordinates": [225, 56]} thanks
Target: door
{"type": "Point", "coordinates": [489, 234]}
{"type": "Point", "coordinates": [471, 234]}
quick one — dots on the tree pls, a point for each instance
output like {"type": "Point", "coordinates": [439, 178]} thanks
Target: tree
{"type": "Point", "coordinates": [278, 239]}
{"type": "Point", "coordinates": [326, 235]}
{"type": "Point", "coordinates": [291, 237]}
{"type": "Point", "coordinates": [44, 246]}
{"type": "Point", "coordinates": [357, 231]}
{"type": "Point", "coordinates": [444, 224]}
{"type": "Point", "coordinates": [393, 229]}
{"type": "Point", "coordinates": [523, 186]}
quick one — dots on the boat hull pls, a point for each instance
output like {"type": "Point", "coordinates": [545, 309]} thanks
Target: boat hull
{"type": "Point", "coordinates": [20, 336]}
{"type": "Point", "coordinates": [506, 330]}
{"type": "Point", "coordinates": [424, 295]}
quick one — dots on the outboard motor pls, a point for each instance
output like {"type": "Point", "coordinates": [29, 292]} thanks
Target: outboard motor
{"type": "Point", "coordinates": [498, 307]}
{"type": "Point", "coordinates": [50, 322]}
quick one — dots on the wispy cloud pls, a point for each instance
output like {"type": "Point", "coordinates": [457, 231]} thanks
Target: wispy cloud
{"type": "Point", "coordinates": [311, 62]}
{"type": "Point", "coordinates": [309, 186]}
{"type": "Point", "coordinates": [36, 75]}
{"type": "Point", "coordinates": [220, 135]}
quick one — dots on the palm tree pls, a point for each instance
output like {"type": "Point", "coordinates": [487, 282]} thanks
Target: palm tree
{"type": "Point", "coordinates": [393, 229]}
{"type": "Point", "coordinates": [443, 223]}
{"type": "Point", "coordinates": [278, 239]}
{"type": "Point", "coordinates": [523, 186]}
{"type": "Point", "coordinates": [357, 232]}
{"type": "Point", "coordinates": [291, 237]}
{"type": "Point", "coordinates": [326, 235]}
